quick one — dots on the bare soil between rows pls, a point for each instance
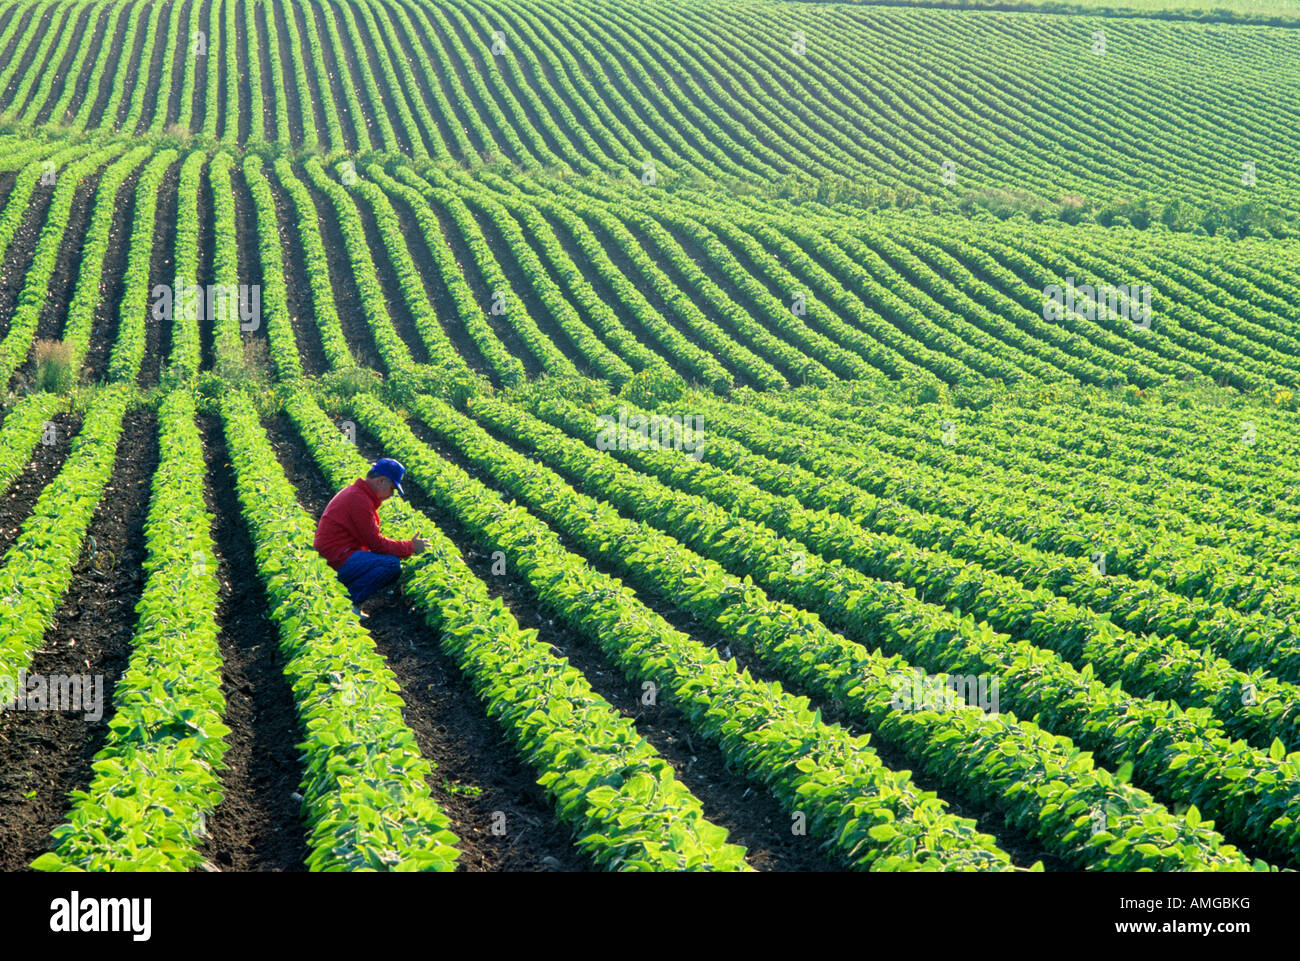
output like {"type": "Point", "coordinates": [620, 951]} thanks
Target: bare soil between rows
{"type": "Point", "coordinates": [476, 771]}
{"type": "Point", "coordinates": [752, 816]}
{"type": "Point", "coordinates": [44, 755]}
{"type": "Point", "coordinates": [1023, 849]}
{"type": "Point", "coordinates": [257, 826]}
{"type": "Point", "coordinates": [44, 462]}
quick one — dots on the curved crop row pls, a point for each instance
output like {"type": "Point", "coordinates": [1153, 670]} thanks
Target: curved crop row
{"type": "Point", "coordinates": [1009, 764]}
{"type": "Point", "coordinates": [621, 799]}
{"type": "Point", "coordinates": [156, 779]}
{"type": "Point", "coordinates": [1182, 755]}
{"type": "Point", "coordinates": [873, 816]}
{"type": "Point", "coordinates": [38, 567]}
{"type": "Point", "coordinates": [365, 795]}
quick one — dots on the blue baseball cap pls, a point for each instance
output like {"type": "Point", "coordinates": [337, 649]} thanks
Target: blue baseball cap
{"type": "Point", "coordinates": [387, 467]}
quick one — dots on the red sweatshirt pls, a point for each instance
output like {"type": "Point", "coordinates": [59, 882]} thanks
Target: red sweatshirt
{"type": "Point", "coordinates": [351, 523]}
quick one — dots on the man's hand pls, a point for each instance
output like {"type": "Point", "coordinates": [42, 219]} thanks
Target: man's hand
{"type": "Point", "coordinates": [419, 545]}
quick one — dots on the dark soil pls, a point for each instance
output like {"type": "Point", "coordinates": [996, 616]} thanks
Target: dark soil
{"type": "Point", "coordinates": [386, 91]}
{"type": "Point", "coordinates": [199, 103]}
{"type": "Point", "coordinates": [729, 290]}
{"type": "Point", "coordinates": [162, 270]}
{"type": "Point", "coordinates": [752, 816]}
{"type": "Point", "coordinates": [22, 249]}
{"type": "Point", "coordinates": [7, 181]}
{"type": "Point", "coordinates": [243, 84]}
{"type": "Point", "coordinates": [418, 67]}
{"type": "Point", "coordinates": [106, 81]}
{"type": "Point", "coordinates": [270, 102]}
{"type": "Point", "coordinates": [26, 14]}
{"type": "Point", "coordinates": [454, 17]}
{"type": "Point", "coordinates": [652, 37]}
{"type": "Point", "coordinates": [249, 256]}
{"type": "Point", "coordinates": [104, 27]}
{"type": "Point", "coordinates": [46, 460]}
{"type": "Point", "coordinates": [431, 32]}
{"type": "Point", "coordinates": [425, 54]}
{"type": "Point", "coordinates": [205, 271]}
{"type": "Point", "coordinates": [54, 313]}
{"type": "Point", "coordinates": [221, 122]}
{"type": "Point", "coordinates": [436, 291]}
{"type": "Point", "coordinates": [347, 300]}
{"type": "Point", "coordinates": [1023, 849]}
{"type": "Point", "coordinates": [258, 825]}
{"type": "Point", "coordinates": [313, 112]}
{"type": "Point", "coordinates": [297, 286]}
{"type": "Point", "coordinates": [657, 303]}
{"type": "Point", "coordinates": [552, 67]}
{"type": "Point", "coordinates": [482, 296]}
{"type": "Point", "coordinates": [522, 289]}
{"type": "Point", "coordinates": [476, 771]}
{"type": "Point", "coordinates": [112, 286]}
{"type": "Point", "coordinates": [47, 26]}
{"type": "Point", "coordinates": [318, 42]}
{"type": "Point", "coordinates": [180, 51]}
{"type": "Point", "coordinates": [61, 72]}
{"type": "Point", "coordinates": [351, 70]}
{"type": "Point", "coordinates": [44, 755]}
{"type": "Point", "coordinates": [399, 312]}
{"type": "Point", "coordinates": [606, 294]}
{"type": "Point", "coordinates": [288, 84]}
{"type": "Point", "coordinates": [132, 75]}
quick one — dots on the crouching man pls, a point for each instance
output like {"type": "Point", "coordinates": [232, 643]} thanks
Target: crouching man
{"type": "Point", "coordinates": [348, 534]}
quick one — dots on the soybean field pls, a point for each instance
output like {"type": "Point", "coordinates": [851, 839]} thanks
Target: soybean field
{"type": "Point", "coordinates": [850, 436]}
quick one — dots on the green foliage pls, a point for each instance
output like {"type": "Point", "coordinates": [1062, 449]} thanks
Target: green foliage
{"type": "Point", "coordinates": [55, 372]}
{"type": "Point", "coordinates": [795, 643]}
{"type": "Point", "coordinates": [156, 779]}
{"type": "Point", "coordinates": [653, 385]}
{"type": "Point", "coordinates": [619, 797]}
{"type": "Point", "coordinates": [38, 566]}
{"type": "Point", "coordinates": [811, 766]}
{"type": "Point", "coordinates": [365, 794]}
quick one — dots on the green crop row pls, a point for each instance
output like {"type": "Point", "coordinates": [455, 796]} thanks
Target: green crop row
{"type": "Point", "coordinates": [1249, 640]}
{"type": "Point", "coordinates": [620, 798]}
{"type": "Point", "coordinates": [23, 429]}
{"type": "Point", "coordinates": [1254, 706]}
{"type": "Point", "coordinates": [86, 299]}
{"type": "Point", "coordinates": [873, 817]}
{"type": "Point", "coordinates": [186, 353]}
{"type": "Point", "coordinates": [274, 297]}
{"type": "Point", "coordinates": [365, 795]}
{"type": "Point", "coordinates": [1092, 820]}
{"type": "Point", "coordinates": [1181, 755]}
{"type": "Point", "coordinates": [17, 341]}
{"type": "Point", "coordinates": [156, 779]}
{"type": "Point", "coordinates": [39, 565]}
{"type": "Point", "coordinates": [128, 351]}
{"type": "Point", "coordinates": [308, 234]}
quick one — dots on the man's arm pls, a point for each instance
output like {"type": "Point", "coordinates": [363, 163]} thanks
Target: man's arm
{"type": "Point", "coordinates": [367, 529]}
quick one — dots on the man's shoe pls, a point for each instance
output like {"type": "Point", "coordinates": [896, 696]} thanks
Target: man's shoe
{"type": "Point", "coordinates": [356, 609]}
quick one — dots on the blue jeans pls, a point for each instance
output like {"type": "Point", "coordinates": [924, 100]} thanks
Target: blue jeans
{"type": "Point", "coordinates": [365, 572]}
